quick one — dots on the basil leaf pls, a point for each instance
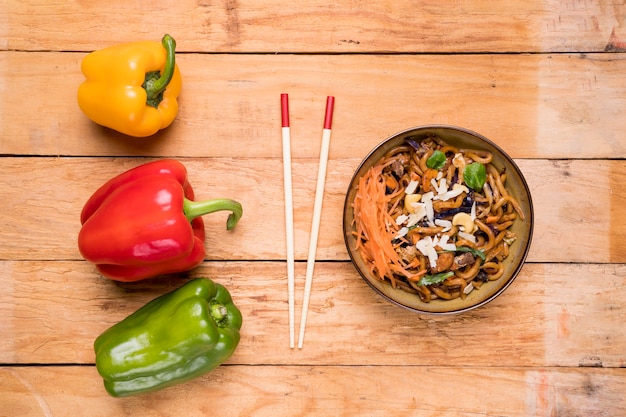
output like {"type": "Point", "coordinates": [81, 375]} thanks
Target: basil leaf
{"type": "Point", "coordinates": [475, 176]}
{"type": "Point", "coordinates": [437, 160]}
{"type": "Point", "coordinates": [434, 279]}
{"type": "Point", "coordinates": [475, 252]}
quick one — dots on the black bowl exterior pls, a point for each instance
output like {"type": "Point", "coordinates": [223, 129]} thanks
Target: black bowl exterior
{"type": "Point", "coordinates": [516, 185]}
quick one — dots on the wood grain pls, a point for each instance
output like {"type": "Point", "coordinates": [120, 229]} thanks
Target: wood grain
{"type": "Point", "coordinates": [328, 390]}
{"type": "Point", "coordinates": [571, 199]}
{"type": "Point", "coordinates": [542, 78]}
{"type": "Point", "coordinates": [344, 26]}
{"type": "Point", "coordinates": [565, 315]}
{"type": "Point", "coordinates": [230, 104]}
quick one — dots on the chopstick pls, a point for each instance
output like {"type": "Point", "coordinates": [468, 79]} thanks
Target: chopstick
{"type": "Point", "coordinates": [286, 136]}
{"type": "Point", "coordinates": [317, 211]}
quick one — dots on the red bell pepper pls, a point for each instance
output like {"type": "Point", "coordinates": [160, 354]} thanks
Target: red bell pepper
{"type": "Point", "coordinates": [144, 223]}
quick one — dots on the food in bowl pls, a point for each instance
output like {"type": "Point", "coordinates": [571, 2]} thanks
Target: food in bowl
{"type": "Point", "coordinates": [435, 219]}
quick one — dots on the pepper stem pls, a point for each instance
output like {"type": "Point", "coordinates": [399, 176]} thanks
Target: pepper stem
{"type": "Point", "coordinates": [193, 209]}
{"type": "Point", "coordinates": [155, 83]}
{"type": "Point", "coordinates": [218, 312]}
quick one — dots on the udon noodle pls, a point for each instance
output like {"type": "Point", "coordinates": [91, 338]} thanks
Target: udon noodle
{"type": "Point", "coordinates": [434, 220]}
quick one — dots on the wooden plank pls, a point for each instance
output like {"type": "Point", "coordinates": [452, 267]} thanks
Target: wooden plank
{"type": "Point", "coordinates": [578, 206]}
{"type": "Point", "coordinates": [339, 27]}
{"type": "Point", "coordinates": [326, 390]}
{"type": "Point", "coordinates": [544, 79]}
{"type": "Point", "coordinates": [565, 315]}
{"type": "Point", "coordinates": [230, 104]}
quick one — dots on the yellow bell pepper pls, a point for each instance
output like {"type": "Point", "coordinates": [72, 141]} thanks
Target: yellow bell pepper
{"type": "Point", "coordinates": [133, 87]}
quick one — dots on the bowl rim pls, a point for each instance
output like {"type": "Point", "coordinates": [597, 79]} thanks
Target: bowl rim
{"type": "Point", "coordinates": [531, 218]}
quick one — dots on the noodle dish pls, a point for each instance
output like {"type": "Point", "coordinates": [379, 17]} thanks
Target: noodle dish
{"type": "Point", "coordinates": [438, 217]}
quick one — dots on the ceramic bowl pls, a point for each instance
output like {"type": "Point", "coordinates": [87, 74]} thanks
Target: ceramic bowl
{"type": "Point", "coordinates": [515, 184]}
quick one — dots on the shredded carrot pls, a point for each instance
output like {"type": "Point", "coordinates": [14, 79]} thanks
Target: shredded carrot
{"type": "Point", "coordinates": [376, 227]}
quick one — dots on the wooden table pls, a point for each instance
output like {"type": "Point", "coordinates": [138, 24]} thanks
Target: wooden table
{"type": "Point", "coordinates": [546, 80]}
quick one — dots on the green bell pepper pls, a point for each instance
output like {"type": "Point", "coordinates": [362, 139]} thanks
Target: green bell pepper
{"type": "Point", "coordinates": [174, 338]}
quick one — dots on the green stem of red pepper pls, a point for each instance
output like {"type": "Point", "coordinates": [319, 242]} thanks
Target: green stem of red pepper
{"type": "Point", "coordinates": [193, 209]}
{"type": "Point", "coordinates": [155, 83]}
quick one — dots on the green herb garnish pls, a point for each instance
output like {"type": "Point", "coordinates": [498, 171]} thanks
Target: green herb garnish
{"type": "Point", "coordinates": [437, 160]}
{"type": "Point", "coordinates": [475, 252]}
{"type": "Point", "coordinates": [475, 175]}
{"type": "Point", "coordinates": [434, 279]}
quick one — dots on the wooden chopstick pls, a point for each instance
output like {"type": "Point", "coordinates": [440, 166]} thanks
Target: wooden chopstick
{"type": "Point", "coordinates": [317, 211]}
{"type": "Point", "coordinates": [286, 136]}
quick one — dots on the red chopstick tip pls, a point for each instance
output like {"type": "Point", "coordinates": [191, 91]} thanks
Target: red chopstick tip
{"type": "Point", "coordinates": [284, 107]}
{"type": "Point", "coordinates": [328, 117]}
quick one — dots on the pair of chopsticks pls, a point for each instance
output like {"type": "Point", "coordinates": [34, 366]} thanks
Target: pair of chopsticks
{"type": "Point", "coordinates": [317, 212]}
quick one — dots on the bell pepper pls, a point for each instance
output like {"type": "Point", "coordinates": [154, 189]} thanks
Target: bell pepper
{"type": "Point", "coordinates": [144, 223]}
{"type": "Point", "coordinates": [133, 87]}
{"type": "Point", "coordinates": [174, 338]}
